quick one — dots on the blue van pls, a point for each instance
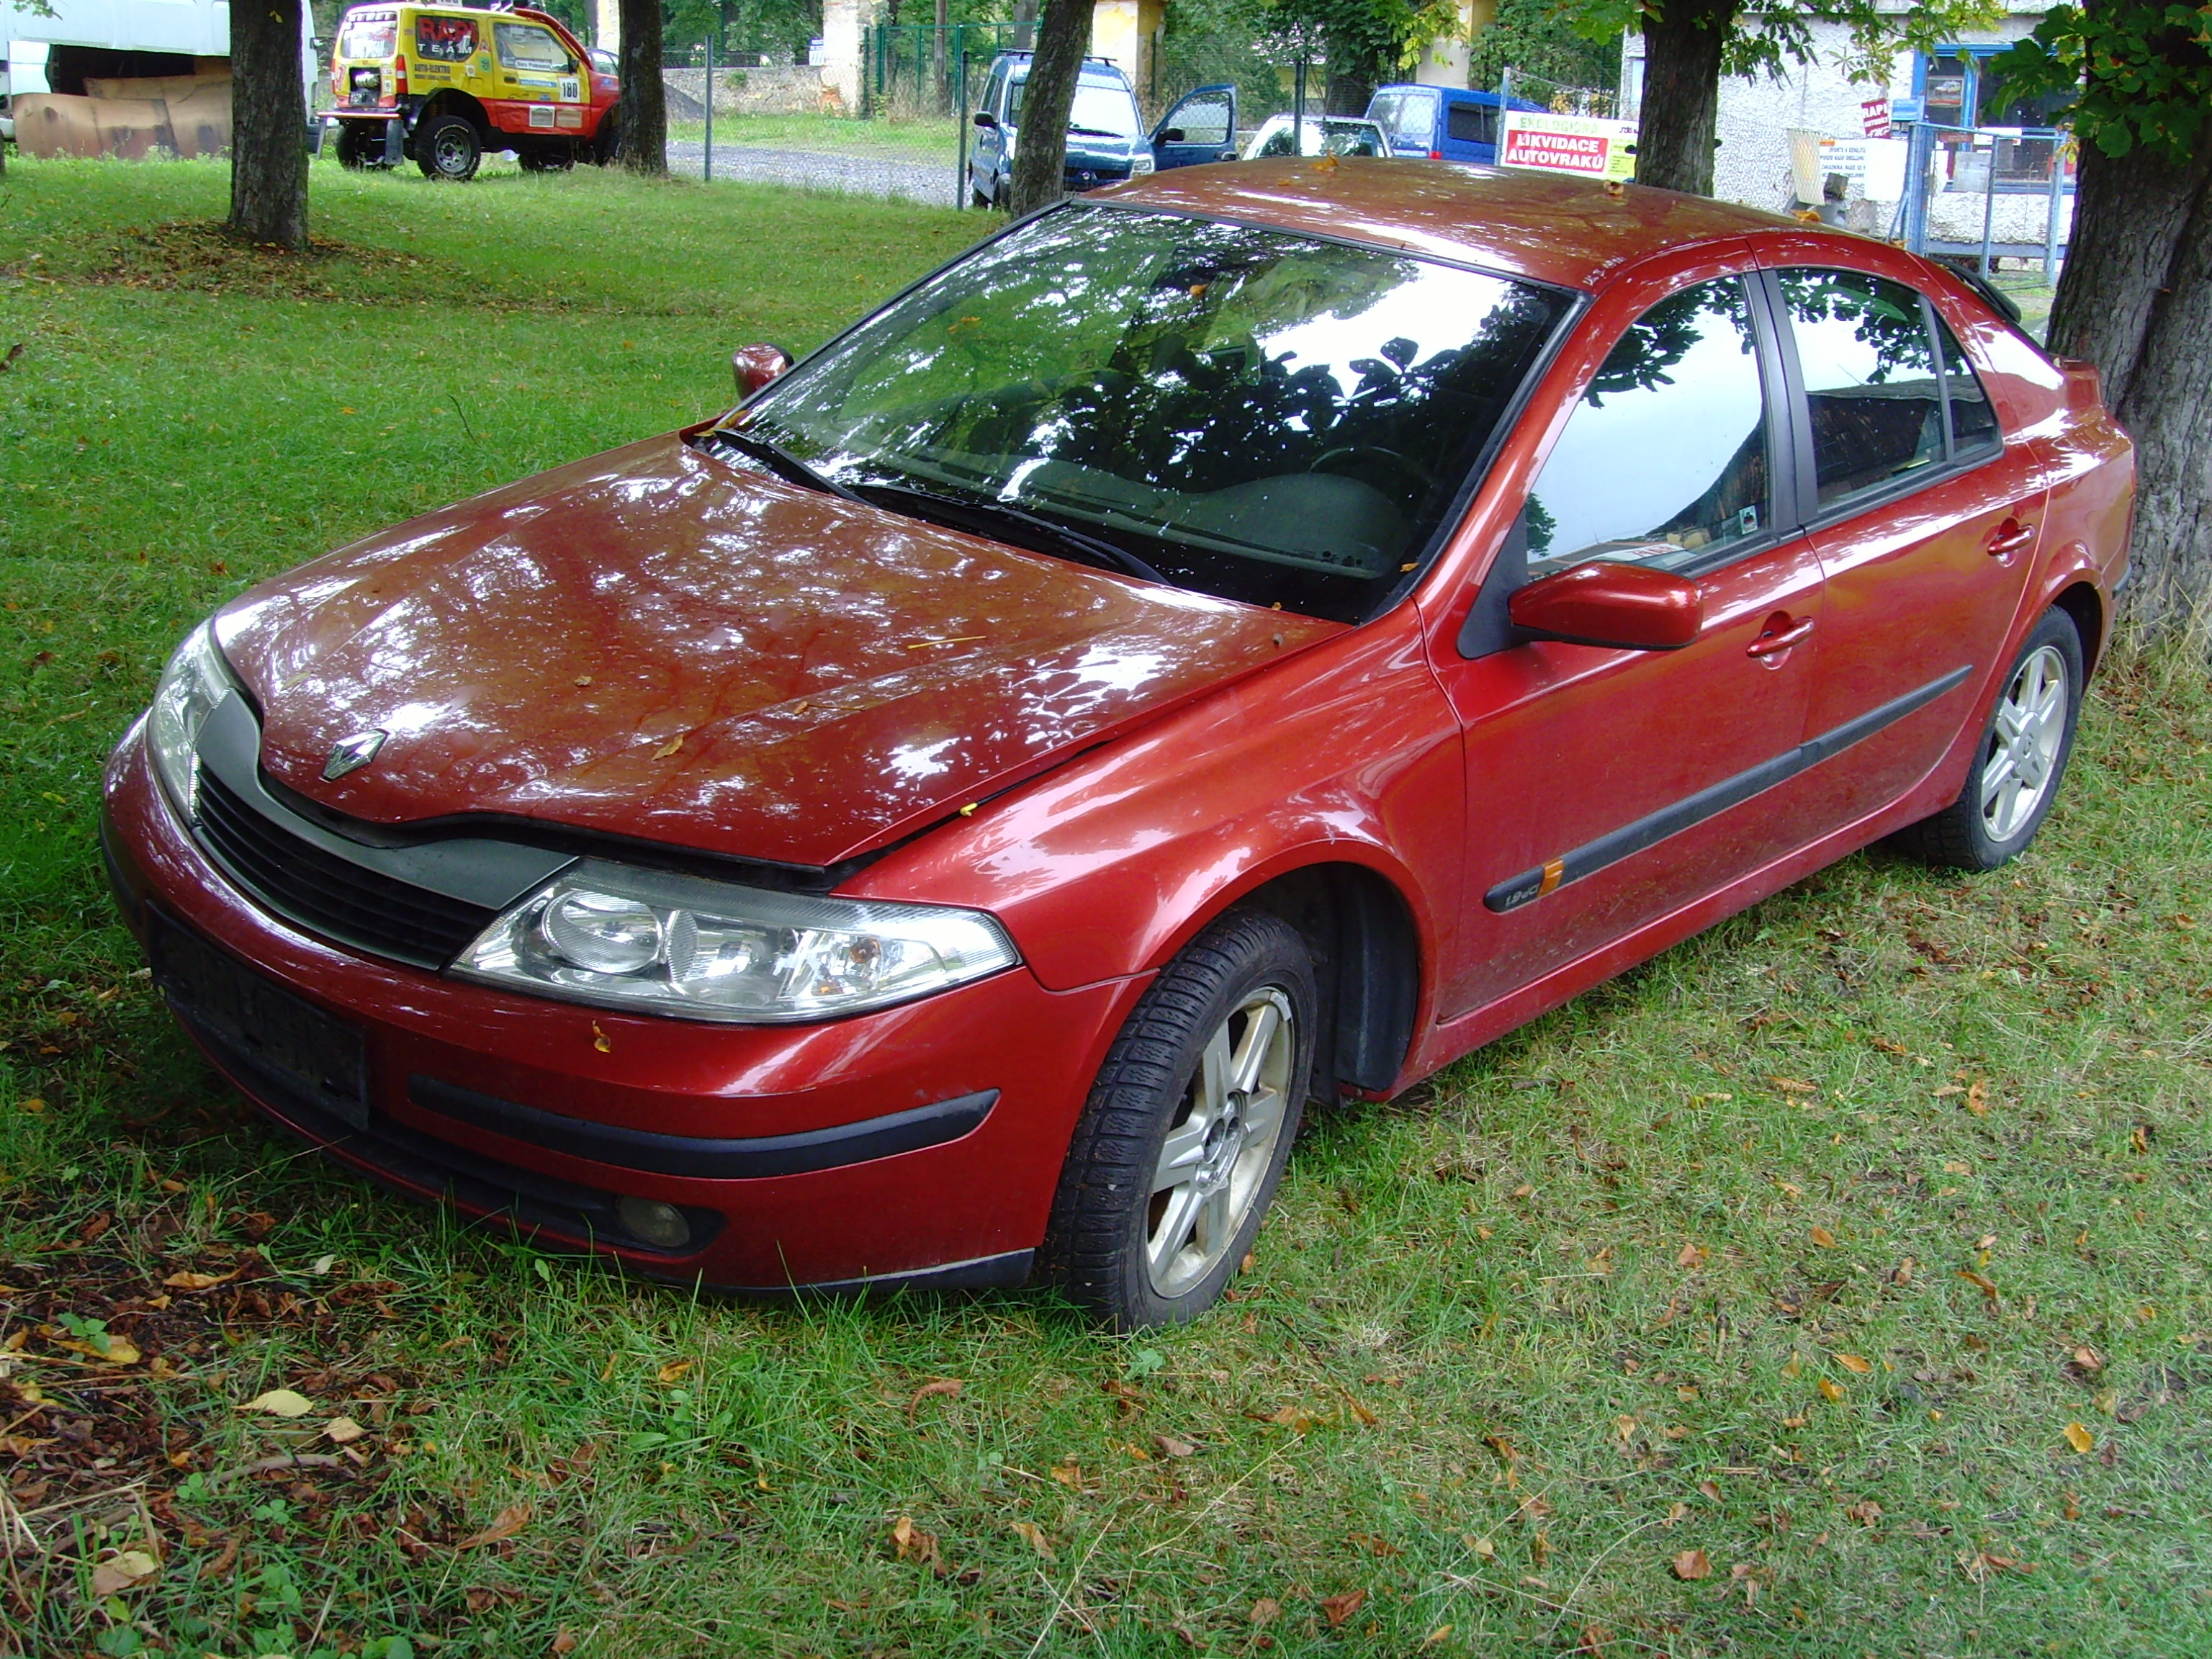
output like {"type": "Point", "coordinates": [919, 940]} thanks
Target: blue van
{"type": "Point", "coordinates": [1444, 123]}
{"type": "Point", "coordinates": [1106, 138]}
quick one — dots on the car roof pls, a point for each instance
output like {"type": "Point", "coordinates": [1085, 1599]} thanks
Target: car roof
{"type": "Point", "coordinates": [1574, 233]}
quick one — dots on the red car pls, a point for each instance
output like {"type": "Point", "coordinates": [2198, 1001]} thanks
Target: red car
{"type": "Point", "coordinates": [1254, 635]}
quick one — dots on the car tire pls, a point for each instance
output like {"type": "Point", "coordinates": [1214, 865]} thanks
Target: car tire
{"type": "Point", "coordinates": [979, 200]}
{"type": "Point", "coordinates": [1187, 1128]}
{"type": "Point", "coordinates": [360, 147]}
{"type": "Point", "coordinates": [2019, 761]}
{"type": "Point", "coordinates": [606, 147]}
{"type": "Point", "coordinates": [447, 147]}
{"type": "Point", "coordinates": [546, 160]}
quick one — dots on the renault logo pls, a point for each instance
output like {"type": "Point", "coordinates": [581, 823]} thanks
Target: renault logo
{"type": "Point", "coordinates": [351, 754]}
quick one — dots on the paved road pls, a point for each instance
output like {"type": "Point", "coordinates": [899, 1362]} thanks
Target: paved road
{"type": "Point", "coordinates": [928, 181]}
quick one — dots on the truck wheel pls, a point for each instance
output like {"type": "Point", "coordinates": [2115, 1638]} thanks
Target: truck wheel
{"type": "Point", "coordinates": [546, 160]}
{"type": "Point", "coordinates": [447, 147]}
{"type": "Point", "coordinates": [606, 149]}
{"type": "Point", "coordinates": [1187, 1127]}
{"type": "Point", "coordinates": [360, 147]}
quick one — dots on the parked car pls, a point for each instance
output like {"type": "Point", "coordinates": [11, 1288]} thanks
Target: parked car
{"type": "Point", "coordinates": [1318, 135]}
{"type": "Point", "coordinates": [1444, 123]}
{"type": "Point", "coordinates": [1253, 636]}
{"type": "Point", "coordinates": [445, 84]}
{"type": "Point", "coordinates": [1107, 143]}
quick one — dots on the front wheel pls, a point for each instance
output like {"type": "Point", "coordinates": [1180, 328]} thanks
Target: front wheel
{"type": "Point", "coordinates": [1184, 1140]}
{"type": "Point", "coordinates": [2019, 761]}
{"type": "Point", "coordinates": [447, 147]}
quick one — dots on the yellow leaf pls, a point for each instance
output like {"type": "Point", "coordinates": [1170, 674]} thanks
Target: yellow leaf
{"type": "Point", "coordinates": [1033, 1535]}
{"type": "Point", "coordinates": [344, 1431]}
{"type": "Point", "coordinates": [1830, 1390]}
{"type": "Point", "coordinates": [2079, 1438]}
{"type": "Point", "coordinates": [668, 748]}
{"type": "Point", "coordinates": [1977, 1100]}
{"type": "Point", "coordinates": [1069, 1474]}
{"type": "Point", "coordinates": [674, 1370]}
{"type": "Point", "coordinates": [1851, 1362]}
{"type": "Point", "coordinates": [507, 1522]}
{"type": "Point", "coordinates": [122, 1571]}
{"type": "Point", "coordinates": [1691, 1255]}
{"type": "Point", "coordinates": [279, 1402]}
{"type": "Point", "coordinates": [1440, 1633]}
{"type": "Point", "coordinates": [1692, 1564]}
{"type": "Point", "coordinates": [1795, 1086]}
{"type": "Point", "coordinates": [1793, 1365]}
{"type": "Point", "coordinates": [911, 1543]}
{"type": "Point", "coordinates": [599, 1040]}
{"type": "Point", "coordinates": [1484, 1548]}
{"type": "Point", "coordinates": [1625, 1427]}
{"type": "Point", "coordinates": [1823, 1237]}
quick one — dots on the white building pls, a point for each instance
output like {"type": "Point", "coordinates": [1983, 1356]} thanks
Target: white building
{"type": "Point", "coordinates": [1769, 131]}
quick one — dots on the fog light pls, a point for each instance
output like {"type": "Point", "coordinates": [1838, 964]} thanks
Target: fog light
{"type": "Point", "coordinates": [653, 1223]}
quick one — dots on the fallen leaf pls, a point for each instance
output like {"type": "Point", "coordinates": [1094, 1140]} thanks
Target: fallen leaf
{"type": "Point", "coordinates": [1709, 1490]}
{"type": "Point", "coordinates": [1830, 1390]}
{"type": "Point", "coordinates": [1294, 1418]}
{"type": "Point", "coordinates": [507, 1522]}
{"type": "Point", "coordinates": [2079, 1438]}
{"type": "Point", "coordinates": [344, 1431]}
{"type": "Point", "coordinates": [1033, 1535]}
{"type": "Point", "coordinates": [1264, 1611]}
{"type": "Point", "coordinates": [1979, 1283]}
{"type": "Point", "coordinates": [1952, 1166]}
{"type": "Point", "coordinates": [674, 1370]}
{"type": "Point", "coordinates": [1977, 1100]}
{"type": "Point", "coordinates": [1069, 1474]}
{"type": "Point", "coordinates": [2088, 1359]}
{"type": "Point", "coordinates": [1626, 1428]}
{"type": "Point", "coordinates": [1440, 1633]}
{"type": "Point", "coordinates": [949, 1386]}
{"type": "Point", "coordinates": [1851, 1362]}
{"type": "Point", "coordinates": [1676, 1512]}
{"type": "Point", "coordinates": [322, 1264]}
{"type": "Point", "coordinates": [1795, 1086]}
{"type": "Point", "coordinates": [1866, 1511]}
{"type": "Point", "coordinates": [184, 1281]}
{"type": "Point", "coordinates": [564, 1642]}
{"type": "Point", "coordinates": [911, 1543]}
{"type": "Point", "coordinates": [1484, 1548]}
{"type": "Point", "coordinates": [668, 748]}
{"type": "Point", "coordinates": [1339, 1608]}
{"type": "Point", "coordinates": [1902, 1272]}
{"type": "Point", "coordinates": [116, 1351]}
{"type": "Point", "coordinates": [1889, 1048]}
{"type": "Point", "coordinates": [279, 1402]}
{"type": "Point", "coordinates": [583, 679]}
{"type": "Point", "coordinates": [599, 1040]}
{"type": "Point", "coordinates": [1823, 1237]}
{"type": "Point", "coordinates": [1691, 1255]}
{"type": "Point", "coordinates": [121, 1571]}
{"type": "Point", "coordinates": [1692, 1564]}
{"type": "Point", "coordinates": [1168, 1446]}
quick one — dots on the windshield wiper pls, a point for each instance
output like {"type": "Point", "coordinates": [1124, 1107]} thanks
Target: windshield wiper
{"type": "Point", "coordinates": [780, 461]}
{"type": "Point", "coordinates": [1099, 132]}
{"type": "Point", "coordinates": [969, 513]}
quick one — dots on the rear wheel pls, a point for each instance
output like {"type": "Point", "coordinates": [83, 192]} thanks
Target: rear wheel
{"type": "Point", "coordinates": [1187, 1128]}
{"type": "Point", "coordinates": [606, 147]}
{"type": "Point", "coordinates": [546, 160]}
{"type": "Point", "coordinates": [447, 147]}
{"type": "Point", "coordinates": [2019, 761]}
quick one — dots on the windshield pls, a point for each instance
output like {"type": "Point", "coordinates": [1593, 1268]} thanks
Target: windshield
{"type": "Point", "coordinates": [1107, 109]}
{"type": "Point", "coordinates": [1254, 414]}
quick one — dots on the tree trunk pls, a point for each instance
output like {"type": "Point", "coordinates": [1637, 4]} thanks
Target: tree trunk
{"type": "Point", "coordinates": [644, 107]}
{"type": "Point", "coordinates": [1674, 138]}
{"type": "Point", "coordinates": [1041, 144]}
{"type": "Point", "coordinates": [2135, 299]}
{"type": "Point", "coordinates": [268, 125]}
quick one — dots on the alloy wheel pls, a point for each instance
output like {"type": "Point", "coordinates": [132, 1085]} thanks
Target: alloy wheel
{"type": "Point", "coordinates": [1218, 1151]}
{"type": "Point", "coordinates": [2029, 730]}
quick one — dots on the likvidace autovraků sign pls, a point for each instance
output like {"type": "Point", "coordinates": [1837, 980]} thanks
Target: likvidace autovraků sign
{"type": "Point", "coordinates": [1584, 145]}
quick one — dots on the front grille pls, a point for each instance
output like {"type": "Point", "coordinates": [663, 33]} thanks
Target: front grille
{"type": "Point", "coordinates": [328, 896]}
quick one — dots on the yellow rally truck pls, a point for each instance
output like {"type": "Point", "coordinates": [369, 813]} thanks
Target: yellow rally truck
{"type": "Point", "coordinates": [443, 84]}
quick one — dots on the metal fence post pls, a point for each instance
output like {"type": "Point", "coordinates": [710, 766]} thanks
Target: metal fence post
{"type": "Point", "coordinates": [2058, 196]}
{"type": "Point", "coordinates": [1989, 204]}
{"type": "Point", "coordinates": [707, 162]}
{"type": "Point", "coordinates": [960, 115]}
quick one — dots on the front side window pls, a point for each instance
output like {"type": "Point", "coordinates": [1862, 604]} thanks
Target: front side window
{"type": "Point", "coordinates": [1664, 460]}
{"type": "Point", "coordinates": [524, 48]}
{"type": "Point", "coordinates": [1870, 386]}
{"type": "Point", "coordinates": [1253, 413]}
{"type": "Point", "coordinates": [1204, 120]}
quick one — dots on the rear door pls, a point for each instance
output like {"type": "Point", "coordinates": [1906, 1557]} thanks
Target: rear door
{"type": "Point", "coordinates": [1470, 128]}
{"type": "Point", "coordinates": [1925, 517]}
{"type": "Point", "coordinates": [1201, 128]}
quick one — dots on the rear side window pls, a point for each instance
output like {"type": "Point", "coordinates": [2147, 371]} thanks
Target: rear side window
{"type": "Point", "coordinates": [1974, 423]}
{"type": "Point", "coordinates": [1663, 461]}
{"type": "Point", "coordinates": [1409, 115]}
{"type": "Point", "coordinates": [1471, 124]}
{"type": "Point", "coordinates": [1870, 381]}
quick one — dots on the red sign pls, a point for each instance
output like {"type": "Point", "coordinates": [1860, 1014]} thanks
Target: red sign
{"type": "Point", "coordinates": [1875, 112]}
{"type": "Point", "coordinates": [1570, 152]}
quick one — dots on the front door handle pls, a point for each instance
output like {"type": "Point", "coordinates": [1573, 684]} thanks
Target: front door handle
{"type": "Point", "coordinates": [1778, 635]}
{"type": "Point", "coordinates": [2008, 537]}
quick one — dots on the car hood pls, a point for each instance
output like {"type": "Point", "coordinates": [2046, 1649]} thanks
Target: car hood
{"type": "Point", "coordinates": [656, 643]}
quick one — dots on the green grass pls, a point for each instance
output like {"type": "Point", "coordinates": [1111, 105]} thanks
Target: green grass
{"type": "Point", "coordinates": [1511, 1345]}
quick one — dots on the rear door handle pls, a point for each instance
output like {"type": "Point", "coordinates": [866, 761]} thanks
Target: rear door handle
{"type": "Point", "coordinates": [1773, 640]}
{"type": "Point", "coordinates": [2009, 537]}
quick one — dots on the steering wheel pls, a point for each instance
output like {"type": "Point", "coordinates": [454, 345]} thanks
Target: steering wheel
{"type": "Point", "coordinates": [1405, 464]}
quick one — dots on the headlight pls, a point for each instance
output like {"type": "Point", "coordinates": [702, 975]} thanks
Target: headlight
{"type": "Point", "coordinates": [196, 680]}
{"type": "Point", "coordinates": [1140, 164]}
{"type": "Point", "coordinates": [621, 937]}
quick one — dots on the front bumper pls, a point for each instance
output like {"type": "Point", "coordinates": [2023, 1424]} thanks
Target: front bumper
{"type": "Point", "coordinates": [917, 1144]}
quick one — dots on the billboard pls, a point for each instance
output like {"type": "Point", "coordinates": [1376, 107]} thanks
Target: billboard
{"type": "Point", "coordinates": [1583, 145]}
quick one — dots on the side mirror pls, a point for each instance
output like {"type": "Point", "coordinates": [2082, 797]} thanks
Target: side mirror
{"type": "Point", "coordinates": [985, 119]}
{"type": "Point", "coordinates": [755, 366]}
{"type": "Point", "coordinates": [1171, 136]}
{"type": "Point", "coordinates": [1630, 607]}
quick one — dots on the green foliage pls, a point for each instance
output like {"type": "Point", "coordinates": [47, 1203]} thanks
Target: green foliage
{"type": "Point", "coordinates": [1538, 38]}
{"type": "Point", "coordinates": [2141, 74]}
{"type": "Point", "coordinates": [1390, 34]}
{"type": "Point", "coordinates": [1770, 39]}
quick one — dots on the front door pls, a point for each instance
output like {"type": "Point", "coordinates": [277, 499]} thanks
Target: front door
{"type": "Point", "coordinates": [1607, 789]}
{"type": "Point", "coordinates": [1201, 127]}
{"type": "Point", "coordinates": [540, 86]}
{"type": "Point", "coordinates": [1925, 523]}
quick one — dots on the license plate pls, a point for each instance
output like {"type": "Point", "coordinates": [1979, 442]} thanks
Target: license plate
{"type": "Point", "coordinates": [321, 1062]}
